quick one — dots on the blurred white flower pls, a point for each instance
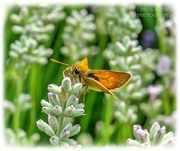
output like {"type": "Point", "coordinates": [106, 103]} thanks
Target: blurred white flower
{"type": "Point", "coordinates": [163, 65]}
{"type": "Point", "coordinates": [154, 90]}
{"type": "Point", "coordinates": [170, 25]}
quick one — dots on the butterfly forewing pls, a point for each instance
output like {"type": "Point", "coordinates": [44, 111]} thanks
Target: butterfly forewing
{"type": "Point", "coordinates": [82, 65]}
{"type": "Point", "coordinates": [110, 79]}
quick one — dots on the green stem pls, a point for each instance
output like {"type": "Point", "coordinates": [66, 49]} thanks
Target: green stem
{"type": "Point", "coordinates": [34, 87]}
{"type": "Point", "coordinates": [61, 117]}
{"type": "Point", "coordinates": [120, 129]}
{"type": "Point", "coordinates": [16, 116]}
{"type": "Point", "coordinates": [166, 102]}
{"type": "Point", "coordinates": [161, 32]}
{"type": "Point", "coordinates": [107, 119]}
{"type": "Point", "coordinates": [147, 123]}
{"type": "Point", "coordinates": [124, 132]}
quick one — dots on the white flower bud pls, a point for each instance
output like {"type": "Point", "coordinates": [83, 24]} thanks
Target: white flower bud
{"type": "Point", "coordinates": [53, 122]}
{"type": "Point", "coordinates": [57, 110]}
{"type": "Point", "coordinates": [74, 130]}
{"type": "Point", "coordinates": [54, 140]}
{"type": "Point", "coordinates": [66, 84]}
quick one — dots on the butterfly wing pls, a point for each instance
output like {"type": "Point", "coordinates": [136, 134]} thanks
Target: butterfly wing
{"type": "Point", "coordinates": [95, 85]}
{"type": "Point", "coordinates": [82, 65]}
{"type": "Point", "coordinates": [109, 79]}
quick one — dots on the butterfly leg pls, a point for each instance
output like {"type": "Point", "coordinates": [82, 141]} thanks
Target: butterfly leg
{"type": "Point", "coordinates": [84, 95]}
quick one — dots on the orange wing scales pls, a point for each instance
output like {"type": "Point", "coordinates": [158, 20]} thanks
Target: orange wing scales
{"type": "Point", "coordinates": [110, 79]}
{"type": "Point", "coordinates": [83, 65]}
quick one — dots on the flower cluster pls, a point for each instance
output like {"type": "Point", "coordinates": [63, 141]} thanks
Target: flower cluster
{"type": "Point", "coordinates": [23, 100]}
{"type": "Point", "coordinates": [34, 28]}
{"type": "Point", "coordinates": [125, 54]}
{"type": "Point", "coordinates": [122, 21]}
{"type": "Point", "coordinates": [168, 120]}
{"type": "Point", "coordinates": [156, 136]}
{"type": "Point", "coordinates": [38, 23]}
{"type": "Point", "coordinates": [79, 31]}
{"type": "Point", "coordinates": [62, 107]}
{"type": "Point", "coordinates": [125, 114]}
{"type": "Point", "coordinates": [22, 50]}
{"type": "Point", "coordinates": [21, 138]}
{"type": "Point", "coordinates": [152, 107]}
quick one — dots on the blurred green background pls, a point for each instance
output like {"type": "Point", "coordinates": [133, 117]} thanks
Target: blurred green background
{"type": "Point", "coordinates": [33, 34]}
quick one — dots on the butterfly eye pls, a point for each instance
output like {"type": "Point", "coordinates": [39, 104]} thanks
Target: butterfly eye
{"type": "Point", "coordinates": [76, 71]}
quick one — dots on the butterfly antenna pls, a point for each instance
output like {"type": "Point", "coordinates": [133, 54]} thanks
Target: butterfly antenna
{"type": "Point", "coordinates": [53, 60]}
